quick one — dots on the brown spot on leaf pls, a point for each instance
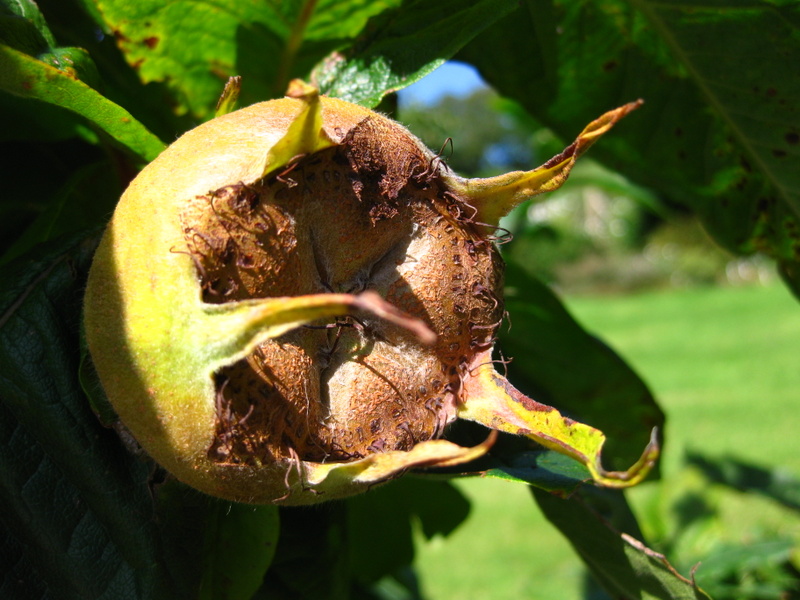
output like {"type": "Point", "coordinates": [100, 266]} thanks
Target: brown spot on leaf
{"type": "Point", "coordinates": [151, 42]}
{"type": "Point", "coordinates": [610, 65]}
{"type": "Point", "coordinates": [772, 92]}
{"type": "Point", "coordinates": [778, 153]}
{"type": "Point", "coordinates": [792, 138]}
{"type": "Point", "coordinates": [678, 131]}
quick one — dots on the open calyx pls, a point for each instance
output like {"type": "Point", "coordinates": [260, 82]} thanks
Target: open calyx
{"type": "Point", "coordinates": [294, 301]}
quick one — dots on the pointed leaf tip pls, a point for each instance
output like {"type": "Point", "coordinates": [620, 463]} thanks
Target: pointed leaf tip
{"type": "Point", "coordinates": [299, 89]}
{"type": "Point", "coordinates": [494, 197]}
{"type": "Point", "coordinates": [229, 97]}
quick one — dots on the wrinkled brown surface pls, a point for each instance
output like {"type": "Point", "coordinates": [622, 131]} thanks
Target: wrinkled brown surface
{"type": "Point", "coordinates": [370, 213]}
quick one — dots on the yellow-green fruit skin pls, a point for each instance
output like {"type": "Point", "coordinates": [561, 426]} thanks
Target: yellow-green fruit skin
{"type": "Point", "coordinates": [166, 318]}
{"type": "Point", "coordinates": [143, 326]}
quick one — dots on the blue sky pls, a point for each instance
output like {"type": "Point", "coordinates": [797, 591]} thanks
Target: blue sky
{"type": "Point", "coordinates": [454, 78]}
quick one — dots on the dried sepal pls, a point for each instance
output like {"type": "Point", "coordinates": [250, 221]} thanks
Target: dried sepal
{"type": "Point", "coordinates": [494, 197]}
{"type": "Point", "coordinates": [494, 402]}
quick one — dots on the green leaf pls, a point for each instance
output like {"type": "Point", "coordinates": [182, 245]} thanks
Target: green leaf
{"type": "Point", "coordinates": [719, 127]}
{"type": "Point", "coordinates": [217, 550]}
{"type": "Point", "coordinates": [75, 505]}
{"type": "Point", "coordinates": [22, 26]}
{"type": "Point", "coordinates": [83, 202]}
{"type": "Point", "coordinates": [195, 46]}
{"type": "Point", "coordinates": [312, 560]}
{"type": "Point", "coordinates": [437, 505]}
{"type": "Point", "coordinates": [239, 546]}
{"type": "Point", "coordinates": [543, 469]}
{"type": "Point", "coordinates": [778, 484]}
{"type": "Point", "coordinates": [229, 98]}
{"type": "Point", "coordinates": [752, 570]}
{"type": "Point", "coordinates": [25, 76]}
{"type": "Point", "coordinates": [559, 364]}
{"type": "Point", "coordinates": [624, 566]}
{"type": "Point", "coordinates": [515, 458]}
{"type": "Point", "coordinates": [403, 45]}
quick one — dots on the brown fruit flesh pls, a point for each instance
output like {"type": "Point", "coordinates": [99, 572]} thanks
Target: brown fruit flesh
{"type": "Point", "coordinates": [370, 213]}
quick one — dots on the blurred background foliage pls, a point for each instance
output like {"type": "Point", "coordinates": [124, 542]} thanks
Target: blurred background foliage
{"type": "Point", "coordinates": [663, 246]}
{"type": "Point", "coordinates": [597, 240]}
{"type": "Point", "coordinates": [601, 233]}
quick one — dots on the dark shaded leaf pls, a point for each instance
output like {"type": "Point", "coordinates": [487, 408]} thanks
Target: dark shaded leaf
{"type": "Point", "coordinates": [22, 26]}
{"type": "Point", "coordinates": [74, 502]}
{"type": "Point", "coordinates": [775, 483]}
{"type": "Point", "coordinates": [240, 542]}
{"type": "Point", "coordinates": [719, 126]}
{"type": "Point", "coordinates": [623, 566]}
{"type": "Point", "coordinates": [515, 458]}
{"type": "Point", "coordinates": [380, 523]}
{"type": "Point", "coordinates": [312, 559]}
{"type": "Point", "coordinates": [557, 363]}
{"type": "Point", "coordinates": [83, 202]}
{"type": "Point", "coordinates": [218, 550]}
{"type": "Point", "coordinates": [38, 177]}
{"type": "Point", "coordinates": [403, 45]}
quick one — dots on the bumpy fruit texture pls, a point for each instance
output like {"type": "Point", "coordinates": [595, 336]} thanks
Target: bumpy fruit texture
{"type": "Point", "coordinates": [295, 299]}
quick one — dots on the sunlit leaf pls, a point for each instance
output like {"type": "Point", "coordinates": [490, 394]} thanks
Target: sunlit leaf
{"type": "Point", "coordinates": [195, 46]}
{"type": "Point", "coordinates": [25, 76]}
{"type": "Point", "coordinates": [404, 45]}
{"type": "Point", "coordinates": [229, 98]}
{"type": "Point", "coordinates": [758, 569]}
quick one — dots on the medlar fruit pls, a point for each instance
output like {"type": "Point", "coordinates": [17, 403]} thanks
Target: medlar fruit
{"type": "Point", "coordinates": [295, 299]}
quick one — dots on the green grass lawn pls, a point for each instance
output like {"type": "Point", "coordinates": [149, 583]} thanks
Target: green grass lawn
{"type": "Point", "coordinates": [723, 363]}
